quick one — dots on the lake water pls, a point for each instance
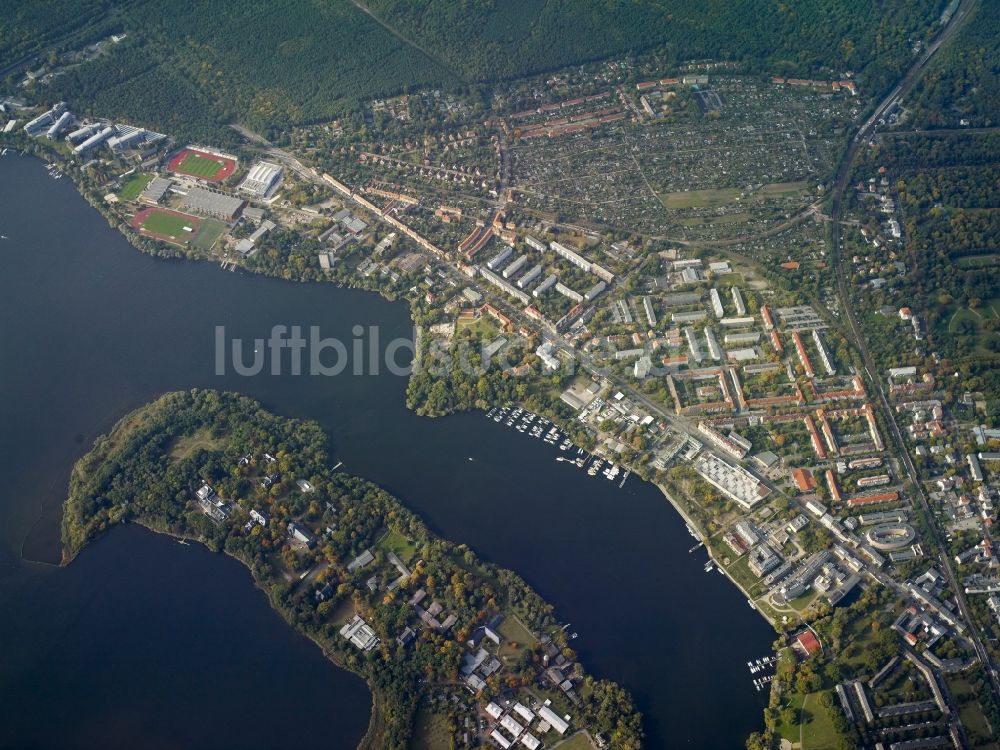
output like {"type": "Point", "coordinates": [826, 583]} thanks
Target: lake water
{"type": "Point", "coordinates": [158, 644]}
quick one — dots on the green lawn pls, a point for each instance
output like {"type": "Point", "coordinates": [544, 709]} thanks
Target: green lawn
{"type": "Point", "coordinates": [208, 234]}
{"type": "Point", "coordinates": [513, 632]}
{"type": "Point", "coordinates": [818, 733]}
{"type": "Point", "coordinates": [171, 225]}
{"type": "Point", "coordinates": [393, 541]}
{"type": "Point", "coordinates": [789, 731]}
{"type": "Point", "coordinates": [977, 261]}
{"type": "Point", "coordinates": [740, 570]}
{"type": "Point", "coordinates": [199, 166]}
{"type": "Point", "coordinates": [134, 186]}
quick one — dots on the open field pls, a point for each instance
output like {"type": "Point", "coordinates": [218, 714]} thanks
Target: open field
{"type": "Point", "coordinates": [430, 731]}
{"type": "Point", "coordinates": [701, 198]}
{"type": "Point", "coordinates": [393, 541]}
{"type": "Point", "coordinates": [789, 732]}
{"type": "Point", "coordinates": [785, 189]}
{"type": "Point", "coordinates": [208, 235]}
{"type": "Point", "coordinates": [134, 186]}
{"type": "Point", "coordinates": [185, 446]}
{"type": "Point", "coordinates": [578, 741]}
{"type": "Point", "coordinates": [970, 711]}
{"type": "Point", "coordinates": [818, 732]}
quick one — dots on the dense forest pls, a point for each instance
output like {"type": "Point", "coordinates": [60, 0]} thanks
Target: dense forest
{"type": "Point", "coordinates": [149, 467]}
{"type": "Point", "coordinates": [495, 39]}
{"type": "Point", "coordinates": [28, 27]}
{"type": "Point", "coordinates": [187, 66]}
{"type": "Point", "coordinates": [963, 83]}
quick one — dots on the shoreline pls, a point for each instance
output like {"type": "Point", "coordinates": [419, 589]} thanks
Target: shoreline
{"type": "Point", "coordinates": [701, 535]}
{"type": "Point", "coordinates": [387, 708]}
{"type": "Point", "coordinates": [367, 740]}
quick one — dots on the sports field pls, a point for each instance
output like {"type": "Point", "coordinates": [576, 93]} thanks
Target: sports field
{"type": "Point", "coordinates": [199, 166]}
{"type": "Point", "coordinates": [164, 224]}
{"type": "Point", "coordinates": [202, 164]}
{"type": "Point", "coordinates": [134, 187]}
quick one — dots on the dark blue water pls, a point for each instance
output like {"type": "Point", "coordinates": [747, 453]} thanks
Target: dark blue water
{"type": "Point", "coordinates": [92, 329]}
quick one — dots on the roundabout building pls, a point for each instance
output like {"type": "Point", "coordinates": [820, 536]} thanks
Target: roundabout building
{"type": "Point", "coordinates": [891, 536]}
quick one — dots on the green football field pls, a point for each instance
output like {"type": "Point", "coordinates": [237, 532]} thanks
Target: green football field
{"type": "Point", "coordinates": [134, 187]}
{"type": "Point", "coordinates": [170, 225]}
{"type": "Point", "coordinates": [199, 166]}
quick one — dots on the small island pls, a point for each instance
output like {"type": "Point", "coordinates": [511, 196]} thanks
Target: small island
{"type": "Point", "coordinates": [454, 649]}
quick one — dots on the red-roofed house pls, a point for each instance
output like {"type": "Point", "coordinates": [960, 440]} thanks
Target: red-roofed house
{"type": "Point", "coordinates": [807, 642]}
{"type": "Point", "coordinates": [804, 479]}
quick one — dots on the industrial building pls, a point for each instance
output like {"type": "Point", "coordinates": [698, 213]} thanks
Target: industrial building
{"type": "Point", "coordinates": [647, 305]}
{"type": "Point", "coordinates": [536, 244]}
{"type": "Point", "coordinates": [504, 286]}
{"type": "Point", "coordinates": [84, 132]}
{"type": "Point", "coordinates": [716, 300]}
{"type": "Point", "coordinates": [220, 206]}
{"type": "Point", "coordinates": [262, 179]}
{"type": "Point", "coordinates": [714, 350]}
{"type": "Point", "coordinates": [126, 138]}
{"type": "Point", "coordinates": [733, 481]}
{"type": "Point", "coordinates": [155, 191]}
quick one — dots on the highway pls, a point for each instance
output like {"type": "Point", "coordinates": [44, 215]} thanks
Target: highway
{"type": "Point", "coordinates": [866, 131]}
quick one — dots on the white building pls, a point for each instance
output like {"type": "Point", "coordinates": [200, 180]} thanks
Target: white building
{"type": "Point", "coordinates": [262, 178]}
{"type": "Point", "coordinates": [733, 481]}
{"type": "Point", "coordinates": [716, 300]}
{"type": "Point", "coordinates": [553, 719]}
{"type": "Point", "coordinates": [360, 633]}
{"type": "Point", "coordinates": [577, 260]}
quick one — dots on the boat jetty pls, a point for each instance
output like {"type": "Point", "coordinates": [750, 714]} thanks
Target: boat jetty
{"type": "Point", "coordinates": [541, 428]}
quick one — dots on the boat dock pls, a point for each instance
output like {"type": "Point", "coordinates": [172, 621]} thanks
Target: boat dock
{"type": "Point", "coordinates": [543, 429]}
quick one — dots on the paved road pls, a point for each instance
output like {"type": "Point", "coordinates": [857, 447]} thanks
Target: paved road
{"type": "Point", "coordinates": [865, 133]}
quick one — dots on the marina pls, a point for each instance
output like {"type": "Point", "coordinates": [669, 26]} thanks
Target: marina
{"type": "Point", "coordinates": [541, 428]}
{"type": "Point", "coordinates": [759, 667]}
